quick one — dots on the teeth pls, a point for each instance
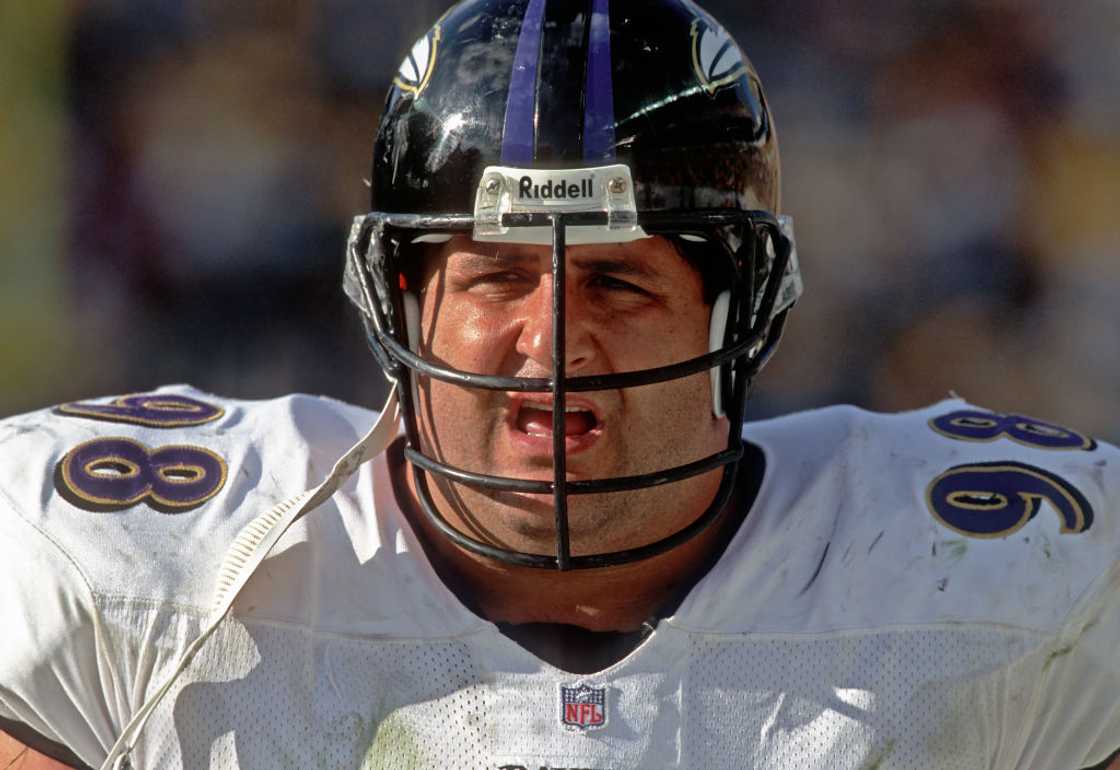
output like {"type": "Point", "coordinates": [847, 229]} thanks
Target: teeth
{"type": "Point", "coordinates": [548, 408]}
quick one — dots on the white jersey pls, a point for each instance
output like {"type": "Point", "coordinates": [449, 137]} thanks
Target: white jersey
{"type": "Point", "coordinates": [935, 590]}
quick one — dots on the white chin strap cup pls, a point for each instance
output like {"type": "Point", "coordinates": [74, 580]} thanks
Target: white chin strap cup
{"type": "Point", "coordinates": [412, 320]}
{"type": "Point", "coordinates": [716, 333]}
{"type": "Point", "coordinates": [411, 304]}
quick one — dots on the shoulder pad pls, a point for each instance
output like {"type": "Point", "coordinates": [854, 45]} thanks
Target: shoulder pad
{"type": "Point", "coordinates": [947, 514]}
{"type": "Point", "coordinates": [144, 493]}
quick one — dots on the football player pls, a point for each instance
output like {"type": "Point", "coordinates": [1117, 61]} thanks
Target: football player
{"type": "Point", "coordinates": [572, 555]}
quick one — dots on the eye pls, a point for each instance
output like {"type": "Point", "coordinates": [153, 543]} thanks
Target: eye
{"type": "Point", "coordinates": [611, 283]}
{"type": "Point", "coordinates": [501, 278]}
{"type": "Point", "coordinates": [500, 282]}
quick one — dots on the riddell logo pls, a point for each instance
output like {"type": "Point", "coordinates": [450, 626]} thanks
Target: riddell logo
{"type": "Point", "coordinates": [559, 189]}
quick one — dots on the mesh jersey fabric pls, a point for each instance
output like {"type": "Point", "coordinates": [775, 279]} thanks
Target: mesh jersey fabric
{"type": "Point", "coordinates": [845, 626]}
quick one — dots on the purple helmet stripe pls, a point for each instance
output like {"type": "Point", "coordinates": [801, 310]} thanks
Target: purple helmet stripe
{"type": "Point", "coordinates": [598, 118]}
{"type": "Point", "coordinates": [521, 104]}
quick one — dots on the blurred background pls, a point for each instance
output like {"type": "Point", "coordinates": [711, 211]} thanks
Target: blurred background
{"type": "Point", "coordinates": [177, 178]}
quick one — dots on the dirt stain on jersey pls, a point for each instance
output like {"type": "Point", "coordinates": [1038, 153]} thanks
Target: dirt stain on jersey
{"type": "Point", "coordinates": [875, 762]}
{"type": "Point", "coordinates": [1066, 649]}
{"type": "Point", "coordinates": [817, 571]}
{"type": "Point", "coordinates": [875, 542]}
{"type": "Point", "coordinates": [950, 549]}
{"type": "Point", "coordinates": [395, 745]}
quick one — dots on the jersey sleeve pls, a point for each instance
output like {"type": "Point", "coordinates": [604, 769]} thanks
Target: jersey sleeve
{"type": "Point", "coordinates": [106, 578]}
{"type": "Point", "coordinates": [56, 674]}
{"type": "Point", "coordinates": [1076, 720]}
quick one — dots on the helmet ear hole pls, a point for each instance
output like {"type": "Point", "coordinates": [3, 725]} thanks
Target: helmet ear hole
{"type": "Point", "coordinates": [717, 333]}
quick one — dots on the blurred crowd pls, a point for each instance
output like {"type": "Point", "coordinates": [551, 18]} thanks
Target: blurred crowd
{"type": "Point", "coordinates": [953, 167]}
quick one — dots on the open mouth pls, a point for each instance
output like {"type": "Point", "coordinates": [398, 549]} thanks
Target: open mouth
{"type": "Point", "coordinates": [538, 422]}
{"type": "Point", "coordinates": [532, 424]}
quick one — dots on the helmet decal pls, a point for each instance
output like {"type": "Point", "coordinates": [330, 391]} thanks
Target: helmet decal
{"type": "Point", "coordinates": [598, 121]}
{"type": "Point", "coordinates": [519, 142]}
{"type": "Point", "coordinates": [715, 56]}
{"type": "Point", "coordinates": [520, 126]}
{"type": "Point", "coordinates": [416, 69]}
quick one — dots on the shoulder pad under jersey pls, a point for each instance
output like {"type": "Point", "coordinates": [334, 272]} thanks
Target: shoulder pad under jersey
{"type": "Point", "coordinates": [949, 514]}
{"type": "Point", "coordinates": [144, 493]}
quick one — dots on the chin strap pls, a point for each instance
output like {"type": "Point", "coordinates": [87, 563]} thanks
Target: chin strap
{"type": "Point", "coordinates": [248, 550]}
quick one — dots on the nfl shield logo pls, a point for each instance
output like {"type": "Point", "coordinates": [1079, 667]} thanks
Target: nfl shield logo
{"type": "Point", "coordinates": [583, 707]}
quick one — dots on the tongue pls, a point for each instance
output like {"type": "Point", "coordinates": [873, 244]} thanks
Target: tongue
{"type": "Point", "coordinates": [538, 422]}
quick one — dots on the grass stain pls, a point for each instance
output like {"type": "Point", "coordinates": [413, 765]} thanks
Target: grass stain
{"type": "Point", "coordinates": [394, 745]}
{"type": "Point", "coordinates": [876, 761]}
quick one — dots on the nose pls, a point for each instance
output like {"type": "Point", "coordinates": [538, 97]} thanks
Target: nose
{"type": "Point", "coordinates": [535, 339]}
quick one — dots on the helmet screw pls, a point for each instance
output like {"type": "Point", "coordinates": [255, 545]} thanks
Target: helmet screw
{"type": "Point", "coordinates": [616, 186]}
{"type": "Point", "coordinates": [493, 186]}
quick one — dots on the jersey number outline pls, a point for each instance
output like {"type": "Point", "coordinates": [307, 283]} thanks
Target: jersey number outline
{"type": "Point", "coordinates": [996, 499]}
{"type": "Point", "coordinates": [154, 410]}
{"type": "Point", "coordinates": [113, 473]}
{"type": "Point", "coordinates": [981, 426]}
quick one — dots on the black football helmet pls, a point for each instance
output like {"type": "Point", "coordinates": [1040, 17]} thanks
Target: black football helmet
{"type": "Point", "coordinates": [566, 122]}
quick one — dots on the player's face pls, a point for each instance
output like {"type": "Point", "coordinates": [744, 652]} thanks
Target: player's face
{"type": "Point", "coordinates": [487, 308]}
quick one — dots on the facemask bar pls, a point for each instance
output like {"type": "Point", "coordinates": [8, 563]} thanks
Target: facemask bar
{"type": "Point", "coordinates": [559, 401]}
{"type": "Point", "coordinates": [371, 268]}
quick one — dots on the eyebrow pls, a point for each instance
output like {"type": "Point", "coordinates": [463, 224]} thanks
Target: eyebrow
{"type": "Point", "coordinates": [476, 261]}
{"type": "Point", "coordinates": [616, 266]}
{"type": "Point", "coordinates": [503, 259]}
